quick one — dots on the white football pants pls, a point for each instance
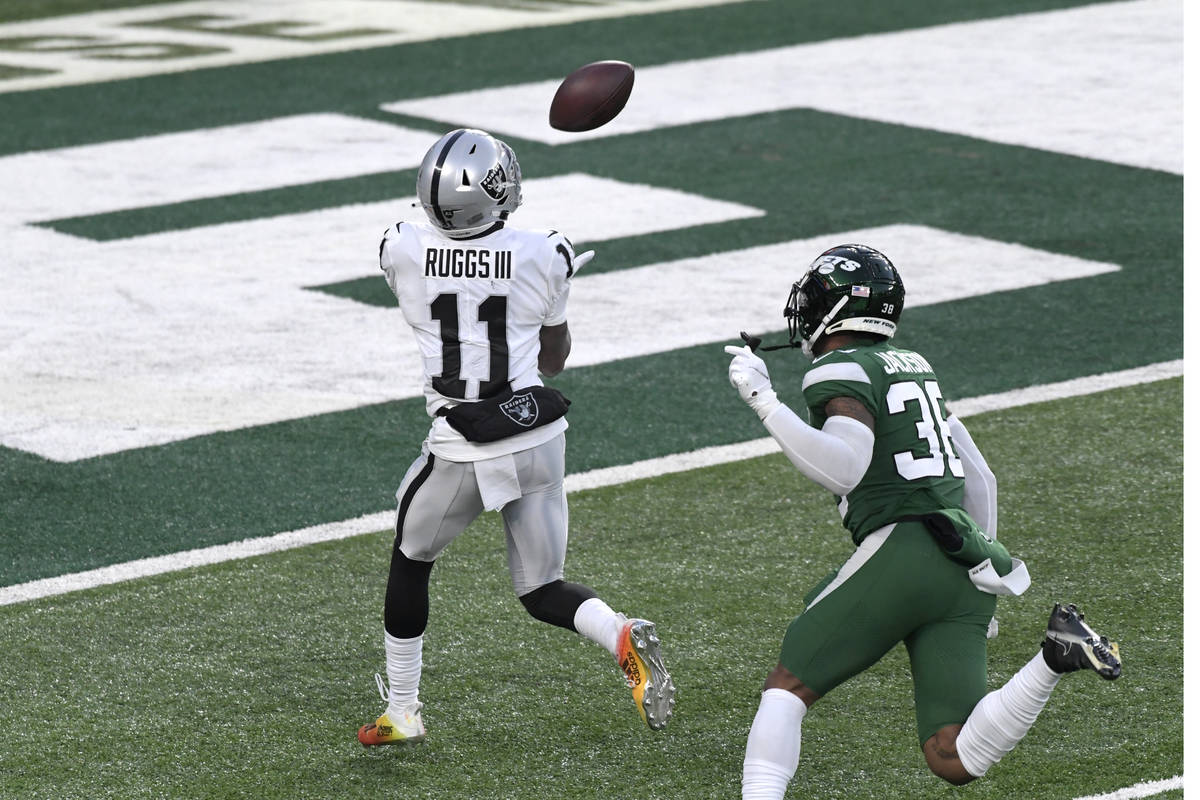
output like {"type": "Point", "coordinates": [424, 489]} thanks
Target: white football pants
{"type": "Point", "coordinates": [438, 499]}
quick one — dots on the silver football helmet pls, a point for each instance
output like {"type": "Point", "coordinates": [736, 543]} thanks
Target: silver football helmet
{"type": "Point", "coordinates": [468, 182]}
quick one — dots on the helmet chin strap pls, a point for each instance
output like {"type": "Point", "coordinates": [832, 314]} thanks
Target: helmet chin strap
{"type": "Point", "coordinates": [806, 346]}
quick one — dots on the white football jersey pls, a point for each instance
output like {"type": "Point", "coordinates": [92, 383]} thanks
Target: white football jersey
{"type": "Point", "coordinates": [477, 307]}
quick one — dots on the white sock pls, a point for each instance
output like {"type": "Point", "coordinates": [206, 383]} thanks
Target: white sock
{"type": "Point", "coordinates": [595, 620]}
{"type": "Point", "coordinates": [1003, 717]}
{"type": "Point", "coordinates": [403, 671]}
{"type": "Point", "coordinates": [773, 748]}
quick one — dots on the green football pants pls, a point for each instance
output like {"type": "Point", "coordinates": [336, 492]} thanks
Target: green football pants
{"type": "Point", "coordinates": [898, 588]}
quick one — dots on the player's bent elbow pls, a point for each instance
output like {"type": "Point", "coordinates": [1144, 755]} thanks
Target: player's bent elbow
{"type": "Point", "coordinates": [843, 487]}
{"type": "Point", "coordinates": [839, 472]}
{"type": "Point", "coordinates": [843, 481]}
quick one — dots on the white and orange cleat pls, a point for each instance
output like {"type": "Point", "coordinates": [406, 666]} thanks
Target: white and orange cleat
{"type": "Point", "coordinates": [404, 728]}
{"type": "Point", "coordinates": [640, 658]}
{"type": "Point", "coordinates": [407, 729]}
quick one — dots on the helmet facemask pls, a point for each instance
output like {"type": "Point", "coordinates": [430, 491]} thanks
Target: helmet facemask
{"type": "Point", "coordinates": [806, 314]}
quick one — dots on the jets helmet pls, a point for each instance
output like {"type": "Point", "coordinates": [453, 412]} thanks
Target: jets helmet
{"type": "Point", "coordinates": [850, 287]}
{"type": "Point", "coordinates": [469, 181]}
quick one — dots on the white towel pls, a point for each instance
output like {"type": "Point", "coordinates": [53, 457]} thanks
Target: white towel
{"type": "Point", "coordinates": [986, 579]}
{"type": "Point", "coordinates": [497, 479]}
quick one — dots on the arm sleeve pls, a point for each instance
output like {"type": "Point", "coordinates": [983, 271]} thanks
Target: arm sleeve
{"type": "Point", "coordinates": [562, 266]}
{"type": "Point", "coordinates": [386, 263]}
{"type": "Point", "coordinates": [979, 496]}
{"type": "Point", "coordinates": [836, 455]}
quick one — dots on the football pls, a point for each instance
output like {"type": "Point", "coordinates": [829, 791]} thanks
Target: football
{"type": "Point", "coordinates": [591, 96]}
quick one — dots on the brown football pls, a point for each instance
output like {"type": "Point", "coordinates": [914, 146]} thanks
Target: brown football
{"type": "Point", "coordinates": [591, 96]}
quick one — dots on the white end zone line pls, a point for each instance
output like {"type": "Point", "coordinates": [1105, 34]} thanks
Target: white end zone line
{"type": "Point", "coordinates": [608, 476]}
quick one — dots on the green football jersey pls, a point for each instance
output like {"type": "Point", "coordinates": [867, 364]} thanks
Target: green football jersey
{"type": "Point", "coordinates": [914, 468]}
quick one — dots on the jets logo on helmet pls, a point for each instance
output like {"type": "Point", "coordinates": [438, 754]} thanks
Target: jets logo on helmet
{"type": "Point", "coordinates": [469, 182]}
{"type": "Point", "coordinates": [827, 264]}
{"type": "Point", "coordinates": [850, 287]}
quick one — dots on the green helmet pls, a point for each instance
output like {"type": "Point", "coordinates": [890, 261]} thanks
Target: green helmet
{"type": "Point", "coordinates": [850, 287]}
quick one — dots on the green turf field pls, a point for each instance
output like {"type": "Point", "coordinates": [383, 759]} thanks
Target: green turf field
{"type": "Point", "coordinates": [247, 679]}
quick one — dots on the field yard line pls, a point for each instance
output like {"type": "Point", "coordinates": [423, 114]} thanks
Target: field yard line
{"type": "Point", "coordinates": [1148, 789]}
{"type": "Point", "coordinates": [608, 476]}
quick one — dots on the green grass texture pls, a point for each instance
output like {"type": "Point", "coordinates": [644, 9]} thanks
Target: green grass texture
{"type": "Point", "coordinates": [248, 679]}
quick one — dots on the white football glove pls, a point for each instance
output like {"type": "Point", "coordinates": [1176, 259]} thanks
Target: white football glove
{"type": "Point", "coordinates": [748, 374]}
{"type": "Point", "coordinates": [581, 261]}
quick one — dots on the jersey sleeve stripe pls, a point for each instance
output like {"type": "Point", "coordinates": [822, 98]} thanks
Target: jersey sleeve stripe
{"type": "Point", "coordinates": [566, 256]}
{"type": "Point", "coordinates": [836, 372]}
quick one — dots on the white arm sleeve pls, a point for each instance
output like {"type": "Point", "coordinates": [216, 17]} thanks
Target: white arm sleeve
{"type": "Point", "coordinates": [835, 456]}
{"type": "Point", "coordinates": [979, 497]}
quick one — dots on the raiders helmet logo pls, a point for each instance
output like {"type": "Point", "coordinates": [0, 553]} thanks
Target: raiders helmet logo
{"type": "Point", "coordinates": [521, 409]}
{"type": "Point", "coordinates": [494, 182]}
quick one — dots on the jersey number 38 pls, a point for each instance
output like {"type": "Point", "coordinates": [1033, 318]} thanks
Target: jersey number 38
{"type": "Point", "coordinates": [931, 426]}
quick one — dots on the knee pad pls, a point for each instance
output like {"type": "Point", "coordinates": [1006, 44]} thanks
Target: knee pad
{"type": "Point", "coordinates": [556, 602]}
{"type": "Point", "coordinates": [406, 604]}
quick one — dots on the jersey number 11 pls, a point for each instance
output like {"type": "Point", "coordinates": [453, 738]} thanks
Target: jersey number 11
{"type": "Point", "coordinates": [494, 311]}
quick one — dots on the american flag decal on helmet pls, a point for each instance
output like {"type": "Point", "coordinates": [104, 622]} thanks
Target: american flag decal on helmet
{"type": "Point", "coordinates": [860, 291]}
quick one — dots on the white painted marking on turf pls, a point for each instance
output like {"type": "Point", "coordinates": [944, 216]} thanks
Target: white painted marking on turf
{"type": "Point", "coordinates": [158, 565]}
{"type": "Point", "coordinates": [1147, 789]}
{"type": "Point", "coordinates": [328, 245]}
{"type": "Point", "coordinates": [622, 314]}
{"type": "Point", "coordinates": [1103, 81]}
{"type": "Point", "coordinates": [608, 476]}
{"type": "Point", "coordinates": [1064, 389]}
{"type": "Point", "coordinates": [665, 465]}
{"type": "Point", "coordinates": [212, 162]}
{"type": "Point", "coordinates": [131, 42]}
{"type": "Point", "coordinates": [154, 339]}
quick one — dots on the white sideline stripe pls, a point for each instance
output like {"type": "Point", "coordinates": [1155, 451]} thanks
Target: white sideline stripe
{"type": "Point", "coordinates": [1064, 389]}
{"type": "Point", "coordinates": [593, 479]}
{"type": "Point", "coordinates": [1148, 789]}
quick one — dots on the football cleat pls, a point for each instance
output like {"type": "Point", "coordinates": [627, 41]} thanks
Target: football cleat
{"type": "Point", "coordinates": [1072, 645]}
{"type": "Point", "coordinates": [640, 658]}
{"type": "Point", "coordinates": [405, 728]}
